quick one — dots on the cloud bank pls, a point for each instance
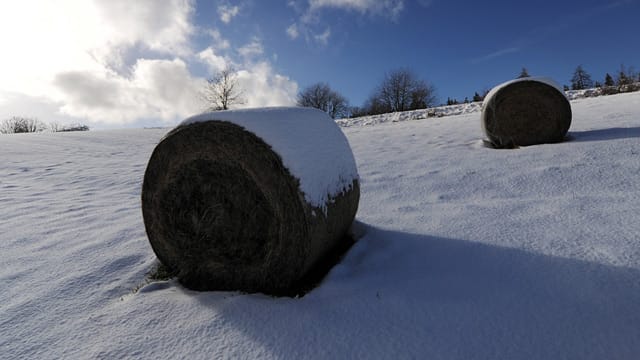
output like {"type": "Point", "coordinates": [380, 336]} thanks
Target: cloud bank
{"type": "Point", "coordinates": [115, 62]}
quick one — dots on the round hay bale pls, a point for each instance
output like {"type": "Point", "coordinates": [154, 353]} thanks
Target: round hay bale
{"type": "Point", "coordinates": [249, 200]}
{"type": "Point", "coordinates": [525, 112]}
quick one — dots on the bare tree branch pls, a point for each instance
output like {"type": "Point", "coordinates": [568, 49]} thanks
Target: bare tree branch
{"type": "Point", "coordinates": [19, 124]}
{"type": "Point", "coordinates": [321, 96]}
{"type": "Point", "coordinates": [401, 90]}
{"type": "Point", "coordinates": [222, 91]}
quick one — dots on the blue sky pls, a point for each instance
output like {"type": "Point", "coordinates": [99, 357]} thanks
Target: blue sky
{"type": "Point", "coordinates": [120, 63]}
{"type": "Point", "coordinates": [459, 46]}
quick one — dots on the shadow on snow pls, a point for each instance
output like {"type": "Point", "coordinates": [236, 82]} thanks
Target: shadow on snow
{"type": "Point", "coordinates": [604, 134]}
{"type": "Point", "coordinates": [401, 295]}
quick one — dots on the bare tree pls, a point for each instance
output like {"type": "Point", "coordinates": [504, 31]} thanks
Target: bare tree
{"type": "Point", "coordinates": [357, 111]}
{"type": "Point", "coordinates": [581, 79]}
{"type": "Point", "coordinates": [55, 126]}
{"type": "Point", "coordinates": [401, 90]}
{"type": "Point", "coordinates": [321, 96]}
{"type": "Point", "coordinates": [19, 124]}
{"type": "Point", "coordinates": [222, 91]}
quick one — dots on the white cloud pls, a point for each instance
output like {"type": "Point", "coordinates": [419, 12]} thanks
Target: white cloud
{"type": "Point", "coordinates": [161, 25]}
{"type": "Point", "coordinates": [324, 37]}
{"type": "Point", "coordinates": [227, 12]}
{"type": "Point", "coordinates": [252, 49]}
{"type": "Point", "coordinates": [118, 62]}
{"type": "Point", "coordinates": [260, 84]}
{"type": "Point", "coordinates": [16, 104]}
{"type": "Point", "coordinates": [311, 18]}
{"type": "Point", "coordinates": [378, 7]}
{"type": "Point", "coordinates": [496, 54]}
{"type": "Point", "coordinates": [263, 87]}
{"type": "Point", "coordinates": [46, 39]}
{"type": "Point", "coordinates": [292, 31]}
{"type": "Point", "coordinates": [214, 62]}
{"type": "Point", "coordinates": [218, 40]}
{"type": "Point", "coordinates": [296, 5]}
{"type": "Point", "coordinates": [161, 89]}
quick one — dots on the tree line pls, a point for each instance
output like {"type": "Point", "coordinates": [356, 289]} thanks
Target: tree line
{"type": "Point", "coordinates": [22, 124]}
{"type": "Point", "coordinates": [625, 79]}
{"type": "Point", "coordinates": [399, 90]}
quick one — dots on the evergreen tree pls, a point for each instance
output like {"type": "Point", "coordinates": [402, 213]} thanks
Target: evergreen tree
{"type": "Point", "coordinates": [524, 74]}
{"type": "Point", "coordinates": [581, 79]}
{"type": "Point", "coordinates": [477, 97]}
{"type": "Point", "coordinates": [608, 80]}
{"type": "Point", "coordinates": [623, 78]}
{"type": "Point", "coordinates": [453, 101]}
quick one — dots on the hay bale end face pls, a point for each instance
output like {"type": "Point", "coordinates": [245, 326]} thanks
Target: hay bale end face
{"type": "Point", "coordinates": [249, 200]}
{"type": "Point", "coordinates": [524, 112]}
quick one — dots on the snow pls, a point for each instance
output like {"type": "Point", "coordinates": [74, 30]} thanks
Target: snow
{"type": "Point", "coordinates": [440, 111]}
{"type": "Point", "coordinates": [600, 91]}
{"type": "Point", "coordinates": [310, 144]}
{"type": "Point", "coordinates": [466, 252]}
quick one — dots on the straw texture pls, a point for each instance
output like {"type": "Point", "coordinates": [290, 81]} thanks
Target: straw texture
{"type": "Point", "coordinates": [222, 212]}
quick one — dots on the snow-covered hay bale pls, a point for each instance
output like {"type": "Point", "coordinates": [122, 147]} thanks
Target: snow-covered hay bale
{"type": "Point", "coordinates": [249, 200]}
{"type": "Point", "coordinates": [525, 112]}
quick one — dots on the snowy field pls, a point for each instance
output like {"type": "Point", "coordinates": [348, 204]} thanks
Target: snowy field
{"type": "Point", "coordinates": [467, 252]}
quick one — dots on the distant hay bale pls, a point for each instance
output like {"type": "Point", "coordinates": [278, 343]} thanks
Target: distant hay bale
{"type": "Point", "coordinates": [525, 112]}
{"type": "Point", "coordinates": [223, 212]}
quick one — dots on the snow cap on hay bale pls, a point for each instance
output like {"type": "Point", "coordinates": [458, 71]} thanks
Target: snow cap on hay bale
{"type": "Point", "coordinates": [526, 111]}
{"type": "Point", "coordinates": [249, 200]}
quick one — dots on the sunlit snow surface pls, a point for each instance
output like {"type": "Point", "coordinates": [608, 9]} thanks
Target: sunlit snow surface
{"type": "Point", "coordinates": [467, 252]}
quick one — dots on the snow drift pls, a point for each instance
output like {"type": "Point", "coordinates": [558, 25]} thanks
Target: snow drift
{"type": "Point", "coordinates": [467, 253]}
